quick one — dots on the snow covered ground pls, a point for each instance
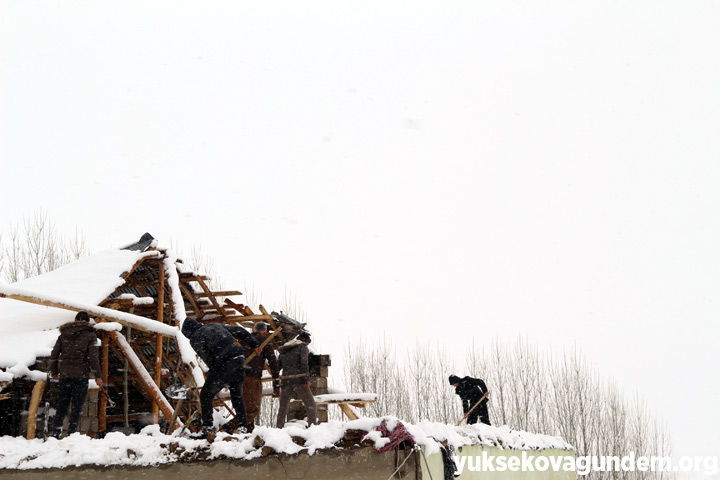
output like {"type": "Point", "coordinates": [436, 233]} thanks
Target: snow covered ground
{"type": "Point", "coordinates": [151, 447]}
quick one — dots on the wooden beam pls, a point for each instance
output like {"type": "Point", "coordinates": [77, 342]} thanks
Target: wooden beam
{"type": "Point", "coordinates": [96, 312]}
{"type": "Point", "coordinates": [143, 377]}
{"type": "Point", "coordinates": [226, 293]}
{"type": "Point", "coordinates": [262, 345]}
{"type": "Point", "coordinates": [132, 269]}
{"type": "Point", "coordinates": [37, 392]}
{"type": "Point", "coordinates": [212, 298]}
{"type": "Point", "coordinates": [159, 338]}
{"type": "Point", "coordinates": [271, 321]}
{"type": "Point", "coordinates": [192, 300]}
{"type": "Point", "coordinates": [348, 411]}
{"type": "Point", "coordinates": [191, 277]}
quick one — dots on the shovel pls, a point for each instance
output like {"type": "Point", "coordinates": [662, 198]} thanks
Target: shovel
{"type": "Point", "coordinates": [473, 408]}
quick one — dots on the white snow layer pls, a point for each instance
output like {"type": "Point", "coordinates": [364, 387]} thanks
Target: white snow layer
{"type": "Point", "coordinates": [137, 300]}
{"type": "Point", "coordinates": [346, 397]}
{"type": "Point", "coordinates": [29, 331]}
{"type": "Point", "coordinates": [151, 447]}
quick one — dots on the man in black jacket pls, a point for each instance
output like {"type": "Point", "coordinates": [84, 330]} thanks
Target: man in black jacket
{"type": "Point", "coordinates": [215, 344]}
{"type": "Point", "coordinates": [73, 358]}
{"type": "Point", "coordinates": [470, 391]}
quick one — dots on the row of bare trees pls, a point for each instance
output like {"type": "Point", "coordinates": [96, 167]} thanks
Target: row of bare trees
{"type": "Point", "coordinates": [35, 247]}
{"type": "Point", "coordinates": [555, 395]}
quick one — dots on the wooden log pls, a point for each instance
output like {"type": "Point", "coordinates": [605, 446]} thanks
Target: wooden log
{"type": "Point", "coordinates": [37, 392]}
{"type": "Point", "coordinates": [151, 388]}
{"type": "Point", "coordinates": [188, 293]}
{"type": "Point", "coordinates": [348, 411]}
{"type": "Point", "coordinates": [224, 293]}
{"type": "Point", "coordinates": [159, 340]}
{"type": "Point", "coordinates": [262, 345]}
{"type": "Point", "coordinates": [275, 328]}
{"type": "Point", "coordinates": [102, 313]}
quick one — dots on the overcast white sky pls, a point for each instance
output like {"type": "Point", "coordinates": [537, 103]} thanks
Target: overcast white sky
{"type": "Point", "coordinates": [437, 170]}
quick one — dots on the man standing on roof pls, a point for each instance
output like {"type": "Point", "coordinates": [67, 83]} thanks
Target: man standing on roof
{"type": "Point", "coordinates": [252, 390]}
{"type": "Point", "coordinates": [73, 357]}
{"type": "Point", "coordinates": [295, 367]}
{"type": "Point", "coordinates": [471, 390]}
{"type": "Point", "coordinates": [215, 344]}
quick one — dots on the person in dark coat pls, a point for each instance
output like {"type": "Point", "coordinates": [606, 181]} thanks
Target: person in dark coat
{"type": "Point", "coordinates": [252, 389]}
{"type": "Point", "coordinates": [294, 362]}
{"type": "Point", "coordinates": [215, 344]}
{"type": "Point", "coordinates": [73, 358]}
{"type": "Point", "coordinates": [470, 390]}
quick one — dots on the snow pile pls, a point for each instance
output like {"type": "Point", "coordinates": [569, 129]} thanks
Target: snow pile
{"type": "Point", "coordinates": [347, 397]}
{"type": "Point", "coordinates": [137, 300]}
{"type": "Point", "coordinates": [151, 447]}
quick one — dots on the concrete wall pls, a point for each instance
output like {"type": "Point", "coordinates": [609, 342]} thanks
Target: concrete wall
{"type": "Point", "coordinates": [435, 464]}
{"type": "Point", "coordinates": [350, 464]}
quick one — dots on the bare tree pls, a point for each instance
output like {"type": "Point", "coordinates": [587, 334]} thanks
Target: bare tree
{"type": "Point", "coordinates": [558, 395]}
{"type": "Point", "coordinates": [37, 248]}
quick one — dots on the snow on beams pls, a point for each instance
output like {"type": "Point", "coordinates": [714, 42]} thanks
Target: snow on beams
{"type": "Point", "coordinates": [106, 314]}
{"type": "Point", "coordinates": [144, 376]}
{"type": "Point", "coordinates": [135, 300]}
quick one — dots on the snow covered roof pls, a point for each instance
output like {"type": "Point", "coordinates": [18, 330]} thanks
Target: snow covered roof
{"type": "Point", "coordinates": [29, 331]}
{"type": "Point", "coordinates": [151, 447]}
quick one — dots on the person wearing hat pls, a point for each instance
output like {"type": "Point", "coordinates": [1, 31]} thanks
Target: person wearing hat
{"type": "Point", "coordinates": [252, 389]}
{"type": "Point", "coordinates": [73, 358]}
{"type": "Point", "coordinates": [215, 344]}
{"type": "Point", "coordinates": [294, 364]}
{"type": "Point", "coordinates": [471, 390]}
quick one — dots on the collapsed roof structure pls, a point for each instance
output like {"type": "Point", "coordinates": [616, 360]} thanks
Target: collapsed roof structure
{"type": "Point", "coordinates": [139, 296]}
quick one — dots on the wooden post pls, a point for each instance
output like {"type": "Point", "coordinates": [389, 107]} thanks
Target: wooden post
{"type": "Point", "coordinates": [159, 338]}
{"type": "Point", "coordinates": [348, 411]}
{"type": "Point", "coordinates": [102, 404]}
{"type": "Point", "coordinates": [38, 390]}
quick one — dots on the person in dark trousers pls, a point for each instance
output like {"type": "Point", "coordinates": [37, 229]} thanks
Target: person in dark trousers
{"type": "Point", "coordinates": [294, 363]}
{"type": "Point", "coordinates": [470, 391]}
{"type": "Point", "coordinates": [252, 389]}
{"type": "Point", "coordinates": [73, 358]}
{"type": "Point", "coordinates": [215, 344]}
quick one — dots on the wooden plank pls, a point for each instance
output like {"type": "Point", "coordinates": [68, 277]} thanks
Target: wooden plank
{"type": "Point", "coordinates": [271, 321]}
{"type": "Point", "coordinates": [159, 339]}
{"type": "Point", "coordinates": [224, 293]}
{"type": "Point", "coordinates": [93, 312]}
{"type": "Point", "coordinates": [191, 277]}
{"type": "Point", "coordinates": [193, 302]}
{"type": "Point", "coordinates": [37, 392]}
{"type": "Point", "coordinates": [212, 298]}
{"type": "Point", "coordinates": [132, 269]}
{"type": "Point", "coordinates": [143, 377]}
{"type": "Point", "coordinates": [348, 411]}
{"type": "Point", "coordinates": [262, 345]}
